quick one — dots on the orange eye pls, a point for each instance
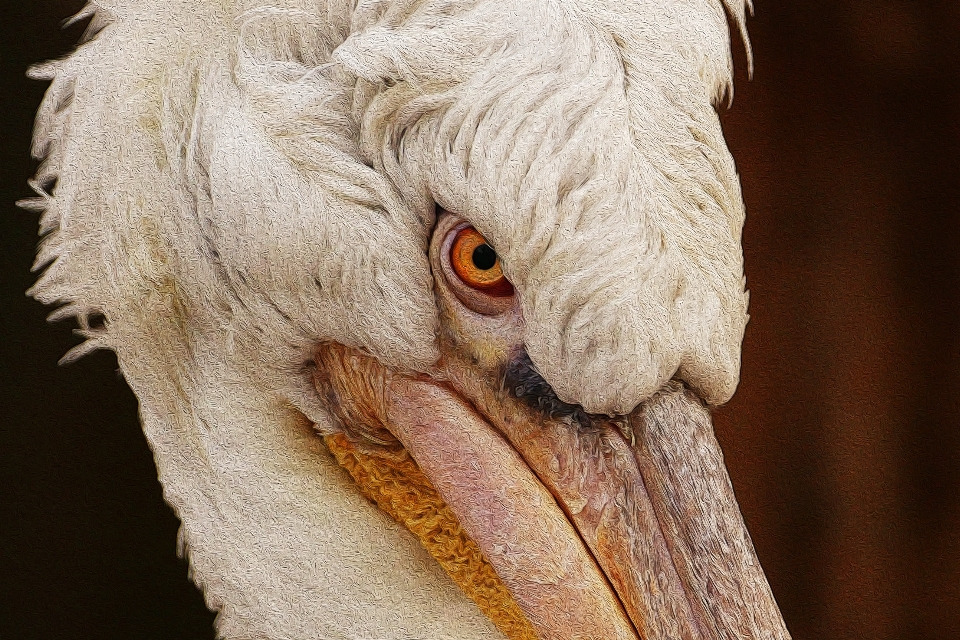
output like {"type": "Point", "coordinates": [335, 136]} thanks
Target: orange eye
{"type": "Point", "coordinates": [477, 265]}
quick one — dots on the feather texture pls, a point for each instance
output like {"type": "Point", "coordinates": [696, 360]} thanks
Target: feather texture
{"type": "Point", "coordinates": [237, 181]}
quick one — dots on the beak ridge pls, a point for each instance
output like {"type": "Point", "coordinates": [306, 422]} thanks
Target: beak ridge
{"type": "Point", "coordinates": [683, 470]}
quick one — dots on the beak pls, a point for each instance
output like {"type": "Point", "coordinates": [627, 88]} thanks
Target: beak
{"type": "Point", "coordinates": [601, 528]}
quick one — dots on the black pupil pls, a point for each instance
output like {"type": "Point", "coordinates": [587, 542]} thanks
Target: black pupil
{"type": "Point", "coordinates": [484, 257]}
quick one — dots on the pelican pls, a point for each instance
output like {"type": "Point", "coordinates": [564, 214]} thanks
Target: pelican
{"type": "Point", "coordinates": [425, 303]}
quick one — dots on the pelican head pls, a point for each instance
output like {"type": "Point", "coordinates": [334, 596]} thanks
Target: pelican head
{"type": "Point", "coordinates": [425, 303]}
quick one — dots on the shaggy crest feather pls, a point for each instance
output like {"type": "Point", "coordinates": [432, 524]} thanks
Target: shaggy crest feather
{"type": "Point", "coordinates": [236, 181]}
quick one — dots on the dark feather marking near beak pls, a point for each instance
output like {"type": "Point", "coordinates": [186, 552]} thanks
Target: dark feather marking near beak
{"type": "Point", "coordinates": [527, 385]}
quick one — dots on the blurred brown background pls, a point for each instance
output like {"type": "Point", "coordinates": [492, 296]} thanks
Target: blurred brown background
{"type": "Point", "coordinates": [844, 437]}
{"type": "Point", "coordinates": [843, 441]}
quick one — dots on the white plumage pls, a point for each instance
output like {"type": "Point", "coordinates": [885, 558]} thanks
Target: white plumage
{"type": "Point", "coordinates": [238, 181]}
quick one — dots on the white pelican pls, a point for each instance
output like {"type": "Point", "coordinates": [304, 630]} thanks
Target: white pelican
{"type": "Point", "coordinates": [425, 303]}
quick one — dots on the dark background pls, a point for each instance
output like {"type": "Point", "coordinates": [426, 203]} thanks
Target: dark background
{"type": "Point", "coordinates": [843, 440]}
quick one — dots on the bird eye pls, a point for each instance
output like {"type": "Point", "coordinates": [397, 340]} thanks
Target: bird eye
{"type": "Point", "coordinates": [477, 265]}
{"type": "Point", "coordinates": [468, 268]}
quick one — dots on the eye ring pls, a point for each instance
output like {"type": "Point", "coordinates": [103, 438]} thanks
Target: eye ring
{"type": "Point", "coordinates": [480, 286]}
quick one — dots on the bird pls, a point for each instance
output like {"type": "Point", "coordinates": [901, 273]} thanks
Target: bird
{"type": "Point", "coordinates": [425, 303]}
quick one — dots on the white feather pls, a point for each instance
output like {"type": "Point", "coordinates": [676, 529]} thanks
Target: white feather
{"type": "Point", "coordinates": [236, 181]}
